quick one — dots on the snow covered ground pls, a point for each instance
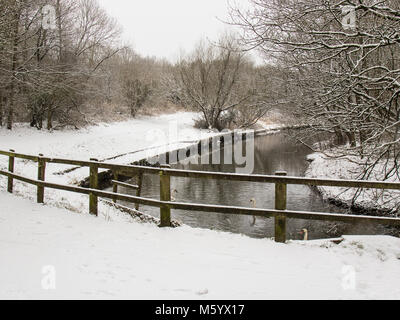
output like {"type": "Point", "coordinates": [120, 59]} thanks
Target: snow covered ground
{"type": "Point", "coordinates": [130, 140]}
{"type": "Point", "coordinates": [51, 253]}
{"type": "Point", "coordinates": [59, 245]}
{"type": "Point", "coordinates": [347, 168]}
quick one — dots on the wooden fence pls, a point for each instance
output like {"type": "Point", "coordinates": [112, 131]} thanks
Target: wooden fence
{"type": "Point", "coordinates": [281, 180]}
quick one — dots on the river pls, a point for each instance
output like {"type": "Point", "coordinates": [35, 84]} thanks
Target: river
{"type": "Point", "coordinates": [272, 153]}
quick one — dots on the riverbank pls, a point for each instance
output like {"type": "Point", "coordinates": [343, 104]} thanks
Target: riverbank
{"type": "Point", "coordinates": [369, 201]}
{"type": "Point", "coordinates": [54, 253]}
{"type": "Point", "coordinates": [123, 142]}
{"type": "Point", "coordinates": [120, 143]}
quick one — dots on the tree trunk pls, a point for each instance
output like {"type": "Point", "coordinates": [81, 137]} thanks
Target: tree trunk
{"type": "Point", "coordinates": [339, 136]}
{"type": "Point", "coordinates": [39, 119]}
{"type": "Point", "coordinates": [362, 139]}
{"type": "Point", "coordinates": [33, 117]}
{"type": "Point", "coordinates": [59, 27]}
{"type": "Point", "coordinates": [50, 119]}
{"type": "Point", "coordinates": [1, 110]}
{"type": "Point", "coordinates": [133, 110]}
{"type": "Point", "coordinates": [10, 111]}
{"type": "Point", "coordinates": [352, 138]}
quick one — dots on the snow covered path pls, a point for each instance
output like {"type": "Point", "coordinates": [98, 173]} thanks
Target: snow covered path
{"type": "Point", "coordinates": [96, 259]}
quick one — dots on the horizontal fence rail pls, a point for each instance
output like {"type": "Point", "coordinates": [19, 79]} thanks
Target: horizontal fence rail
{"type": "Point", "coordinates": [165, 204]}
{"type": "Point", "coordinates": [269, 213]}
{"type": "Point", "coordinates": [133, 170]}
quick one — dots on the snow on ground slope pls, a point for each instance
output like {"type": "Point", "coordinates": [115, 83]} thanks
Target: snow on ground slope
{"type": "Point", "coordinates": [347, 168]}
{"type": "Point", "coordinates": [103, 141]}
{"type": "Point", "coordinates": [83, 257]}
{"type": "Point", "coordinates": [100, 141]}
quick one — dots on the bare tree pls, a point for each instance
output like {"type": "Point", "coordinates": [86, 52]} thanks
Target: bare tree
{"type": "Point", "coordinates": [344, 78]}
{"type": "Point", "coordinates": [136, 77]}
{"type": "Point", "coordinates": [215, 81]}
{"type": "Point", "coordinates": [52, 69]}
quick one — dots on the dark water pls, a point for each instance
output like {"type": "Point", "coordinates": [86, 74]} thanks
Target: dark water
{"type": "Point", "coordinates": [272, 153]}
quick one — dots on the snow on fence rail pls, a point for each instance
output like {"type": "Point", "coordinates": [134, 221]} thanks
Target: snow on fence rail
{"type": "Point", "coordinates": [281, 180]}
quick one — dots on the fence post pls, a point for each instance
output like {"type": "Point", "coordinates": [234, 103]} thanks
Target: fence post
{"type": "Point", "coordinates": [11, 161]}
{"type": "Point", "coordinates": [165, 195]}
{"type": "Point", "coordinates": [94, 184]}
{"type": "Point", "coordinates": [139, 190]}
{"type": "Point", "coordinates": [280, 204]}
{"type": "Point", "coordinates": [115, 186]}
{"type": "Point", "coordinates": [41, 177]}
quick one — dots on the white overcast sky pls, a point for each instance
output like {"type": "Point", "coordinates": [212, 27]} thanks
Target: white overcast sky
{"type": "Point", "coordinates": [163, 28]}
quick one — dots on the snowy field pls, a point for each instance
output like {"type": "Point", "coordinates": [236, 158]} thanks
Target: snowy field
{"type": "Point", "coordinates": [59, 251]}
{"type": "Point", "coordinates": [50, 253]}
{"type": "Point", "coordinates": [347, 168]}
